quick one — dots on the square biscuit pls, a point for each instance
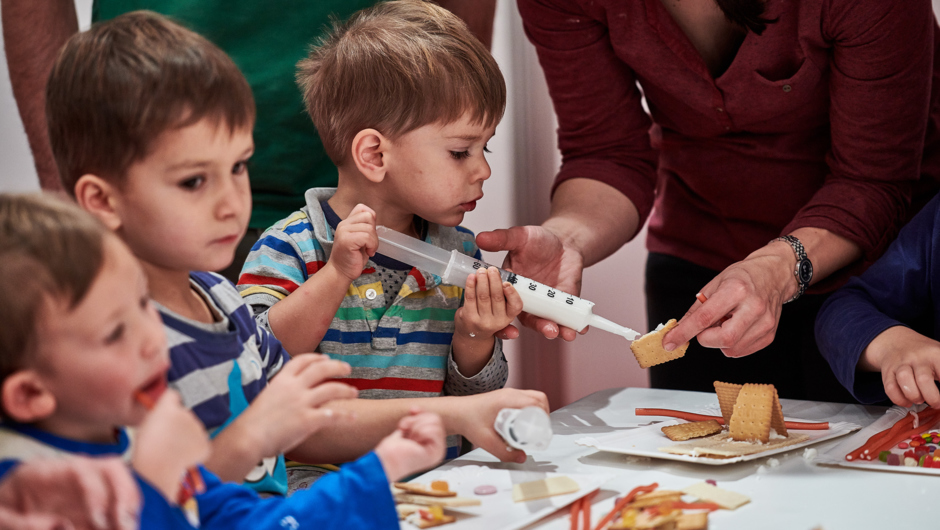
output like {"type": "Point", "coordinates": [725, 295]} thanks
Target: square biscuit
{"type": "Point", "coordinates": [727, 396]}
{"type": "Point", "coordinates": [649, 350]}
{"type": "Point", "coordinates": [692, 521]}
{"type": "Point", "coordinates": [752, 413]}
{"type": "Point", "coordinates": [776, 419]}
{"type": "Point", "coordinates": [695, 429]}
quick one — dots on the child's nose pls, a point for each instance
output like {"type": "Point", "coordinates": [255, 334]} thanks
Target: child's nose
{"type": "Point", "coordinates": [482, 172]}
{"type": "Point", "coordinates": [231, 199]}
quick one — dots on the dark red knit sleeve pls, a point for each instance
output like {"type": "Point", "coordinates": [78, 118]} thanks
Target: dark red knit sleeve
{"type": "Point", "coordinates": [603, 129]}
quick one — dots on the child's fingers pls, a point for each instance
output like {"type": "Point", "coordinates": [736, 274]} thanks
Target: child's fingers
{"type": "Point", "coordinates": [908, 385]}
{"type": "Point", "coordinates": [892, 390]}
{"type": "Point", "coordinates": [924, 374]}
{"type": "Point", "coordinates": [470, 295]}
{"type": "Point", "coordinates": [299, 363]}
{"type": "Point", "coordinates": [495, 289]}
{"type": "Point", "coordinates": [326, 392]}
{"type": "Point", "coordinates": [513, 300]}
{"type": "Point", "coordinates": [484, 299]}
{"type": "Point", "coordinates": [315, 373]}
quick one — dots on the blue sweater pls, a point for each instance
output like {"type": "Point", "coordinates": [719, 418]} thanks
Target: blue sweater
{"type": "Point", "coordinates": [898, 290]}
{"type": "Point", "coordinates": [357, 496]}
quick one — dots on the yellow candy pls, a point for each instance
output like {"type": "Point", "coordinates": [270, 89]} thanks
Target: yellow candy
{"type": "Point", "coordinates": [628, 518]}
{"type": "Point", "coordinates": [437, 512]}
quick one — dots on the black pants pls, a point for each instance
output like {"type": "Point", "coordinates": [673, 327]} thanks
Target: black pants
{"type": "Point", "coordinates": [241, 254]}
{"type": "Point", "coordinates": [791, 363]}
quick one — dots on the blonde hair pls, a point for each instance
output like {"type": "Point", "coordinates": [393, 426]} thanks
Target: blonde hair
{"type": "Point", "coordinates": [395, 67]}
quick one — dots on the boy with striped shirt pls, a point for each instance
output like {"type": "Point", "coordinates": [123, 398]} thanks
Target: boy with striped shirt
{"type": "Point", "coordinates": [404, 99]}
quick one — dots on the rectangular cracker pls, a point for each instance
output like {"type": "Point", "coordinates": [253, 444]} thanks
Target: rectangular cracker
{"type": "Point", "coordinates": [649, 350]}
{"type": "Point", "coordinates": [695, 429]}
{"type": "Point", "coordinates": [546, 487]}
{"type": "Point", "coordinates": [727, 396]}
{"type": "Point", "coordinates": [728, 500]}
{"type": "Point", "coordinates": [776, 418]}
{"type": "Point", "coordinates": [752, 412]}
{"type": "Point", "coordinates": [655, 497]}
{"type": "Point", "coordinates": [422, 489]}
{"type": "Point", "coordinates": [692, 521]}
{"type": "Point", "coordinates": [722, 446]}
{"type": "Point", "coordinates": [424, 500]}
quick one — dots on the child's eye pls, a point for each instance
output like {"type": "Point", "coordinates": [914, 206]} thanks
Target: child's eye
{"type": "Point", "coordinates": [486, 149]}
{"type": "Point", "coordinates": [193, 183]}
{"type": "Point", "coordinates": [115, 335]}
{"type": "Point", "coordinates": [460, 155]}
{"type": "Point", "coordinates": [240, 167]}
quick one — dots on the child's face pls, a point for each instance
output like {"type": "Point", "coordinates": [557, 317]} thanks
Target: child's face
{"type": "Point", "coordinates": [93, 358]}
{"type": "Point", "coordinates": [437, 171]}
{"type": "Point", "coordinates": [186, 205]}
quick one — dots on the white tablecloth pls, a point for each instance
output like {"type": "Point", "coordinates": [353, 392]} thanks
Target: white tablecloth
{"type": "Point", "coordinates": [794, 495]}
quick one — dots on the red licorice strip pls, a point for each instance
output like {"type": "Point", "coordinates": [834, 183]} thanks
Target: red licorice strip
{"type": "Point", "coordinates": [691, 416]}
{"type": "Point", "coordinates": [925, 423]}
{"type": "Point", "coordinates": [879, 437]}
{"type": "Point", "coordinates": [625, 501]}
{"type": "Point", "coordinates": [586, 510]}
{"type": "Point", "coordinates": [575, 509]}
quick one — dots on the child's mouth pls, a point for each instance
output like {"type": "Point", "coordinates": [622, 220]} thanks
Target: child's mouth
{"type": "Point", "coordinates": [148, 394]}
{"type": "Point", "coordinates": [469, 206]}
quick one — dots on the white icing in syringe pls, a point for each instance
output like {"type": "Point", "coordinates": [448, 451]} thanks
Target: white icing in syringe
{"type": "Point", "coordinates": [537, 298]}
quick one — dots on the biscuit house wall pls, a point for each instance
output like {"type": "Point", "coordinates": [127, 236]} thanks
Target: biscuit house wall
{"type": "Point", "coordinates": [524, 162]}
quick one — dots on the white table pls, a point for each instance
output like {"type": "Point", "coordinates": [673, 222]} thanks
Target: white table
{"type": "Point", "coordinates": [796, 495]}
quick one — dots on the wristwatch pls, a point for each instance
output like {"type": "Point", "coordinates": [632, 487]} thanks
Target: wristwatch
{"type": "Point", "coordinates": [804, 267]}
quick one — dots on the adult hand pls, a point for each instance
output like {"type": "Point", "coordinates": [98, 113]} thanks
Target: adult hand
{"type": "Point", "coordinates": [75, 492]}
{"type": "Point", "coordinates": [476, 416]}
{"type": "Point", "coordinates": [909, 364]}
{"type": "Point", "coordinates": [539, 254]}
{"type": "Point", "coordinates": [751, 292]}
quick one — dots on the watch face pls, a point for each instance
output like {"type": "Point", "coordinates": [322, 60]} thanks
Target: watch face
{"type": "Point", "coordinates": [805, 271]}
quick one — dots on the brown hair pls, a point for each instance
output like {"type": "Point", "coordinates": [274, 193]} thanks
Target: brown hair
{"type": "Point", "coordinates": [395, 67]}
{"type": "Point", "coordinates": [50, 248]}
{"type": "Point", "coordinates": [117, 87]}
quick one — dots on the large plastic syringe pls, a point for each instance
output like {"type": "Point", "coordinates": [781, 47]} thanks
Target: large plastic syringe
{"type": "Point", "coordinates": [537, 298]}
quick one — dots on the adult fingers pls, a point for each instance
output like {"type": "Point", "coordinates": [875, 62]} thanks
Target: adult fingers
{"type": "Point", "coordinates": [701, 316]}
{"type": "Point", "coordinates": [508, 333]}
{"type": "Point", "coordinates": [503, 239]}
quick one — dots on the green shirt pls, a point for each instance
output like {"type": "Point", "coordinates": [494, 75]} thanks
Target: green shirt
{"type": "Point", "coordinates": [265, 39]}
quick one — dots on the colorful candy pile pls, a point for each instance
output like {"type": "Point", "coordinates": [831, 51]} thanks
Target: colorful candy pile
{"type": "Point", "coordinates": [921, 451]}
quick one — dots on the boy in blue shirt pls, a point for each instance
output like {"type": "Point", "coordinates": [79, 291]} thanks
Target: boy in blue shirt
{"type": "Point", "coordinates": [151, 128]}
{"type": "Point", "coordinates": [879, 332]}
{"type": "Point", "coordinates": [405, 99]}
{"type": "Point", "coordinates": [82, 343]}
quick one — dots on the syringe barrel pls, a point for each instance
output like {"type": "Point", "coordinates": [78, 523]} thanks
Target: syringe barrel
{"type": "Point", "coordinates": [414, 252]}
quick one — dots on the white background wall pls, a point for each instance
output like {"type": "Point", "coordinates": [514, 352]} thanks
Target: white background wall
{"type": "Point", "coordinates": [524, 162]}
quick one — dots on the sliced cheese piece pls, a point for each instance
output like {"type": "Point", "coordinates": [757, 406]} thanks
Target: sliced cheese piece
{"type": "Point", "coordinates": [728, 500]}
{"type": "Point", "coordinates": [546, 487]}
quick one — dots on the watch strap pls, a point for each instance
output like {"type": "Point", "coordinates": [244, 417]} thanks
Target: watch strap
{"type": "Point", "coordinates": [800, 252]}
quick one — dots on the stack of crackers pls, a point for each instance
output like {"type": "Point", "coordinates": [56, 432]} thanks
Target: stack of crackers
{"type": "Point", "coordinates": [749, 411]}
{"type": "Point", "coordinates": [423, 506]}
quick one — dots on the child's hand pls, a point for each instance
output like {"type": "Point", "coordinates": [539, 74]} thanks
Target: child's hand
{"type": "Point", "coordinates": [294, 404]}
{"type": "Point", "coordinates": [477, 413]}
{"type": "Point", "coordinates": [354, 241]}
{"type": "Point", "coordinates": [909, 364]}
{"type": "Point", "coordinates": [418, 444]}
{"type": "Point", "coordinates": [489, 305]}
{"type": "Point", "coordinates": [169, 441]}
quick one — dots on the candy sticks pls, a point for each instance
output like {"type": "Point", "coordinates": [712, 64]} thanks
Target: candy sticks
{"type": "Point", "coordinates": [691, 416]}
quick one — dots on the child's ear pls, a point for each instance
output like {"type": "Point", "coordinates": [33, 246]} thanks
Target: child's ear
{"type": "Point", "coordinates": [369, 148]}
{"type": "Point", "coordinates": [25, 398]}
{"type": "Point", "coordinates": [99, 197]}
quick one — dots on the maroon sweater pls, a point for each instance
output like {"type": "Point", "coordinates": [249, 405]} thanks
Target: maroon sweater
{"type": "Point", "coordinates": [818, 122]}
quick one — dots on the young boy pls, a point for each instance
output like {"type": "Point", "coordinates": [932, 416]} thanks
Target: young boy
{"type": "Point", "coordinates": [82, 343]}
{"type": "Point", "coordinates": [151, 128]}
{"type": "Point", "coordinates": [404, 99]}
{"type": "Point", "coordinates": [888, 320]}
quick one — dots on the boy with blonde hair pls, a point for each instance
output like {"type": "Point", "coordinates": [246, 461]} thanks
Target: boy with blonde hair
{"type": "Point", "coordinates": [405, 100]}
{"type": "Point", "coordinates": [151, 128]}
{"type": "Point", "coordinates": [83, 343]}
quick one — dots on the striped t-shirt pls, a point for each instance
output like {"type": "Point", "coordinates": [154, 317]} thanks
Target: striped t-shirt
{"type": "Point", "coordinates": [398, 352]}
{"type": "Point", "coordinates": [220, 368]}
